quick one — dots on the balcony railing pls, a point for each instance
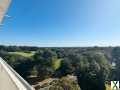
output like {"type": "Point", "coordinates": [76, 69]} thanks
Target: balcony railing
{"type": "Point", "coordinates": [11, 80]}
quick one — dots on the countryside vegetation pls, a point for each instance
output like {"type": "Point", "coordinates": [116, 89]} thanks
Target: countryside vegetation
{"type": "Point", "coordinates": [75, 68]}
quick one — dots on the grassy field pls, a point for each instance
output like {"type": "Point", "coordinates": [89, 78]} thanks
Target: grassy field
{"type": "Point", "coordinates": [56, 64]}
{"type": "Point", "coordinates": [24, 54]}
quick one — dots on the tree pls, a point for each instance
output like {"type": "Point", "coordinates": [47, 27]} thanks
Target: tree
{"type": "Point", "coordinates": [65, 68]}
{"type": "Point", "coordinates": [43, 61]}
{"type": "Point", "coordinates": [116, 59]}
{"type": "Point", "coordinates": [64, 84]}
{"type": "Point", "coordinates": [95, 73]}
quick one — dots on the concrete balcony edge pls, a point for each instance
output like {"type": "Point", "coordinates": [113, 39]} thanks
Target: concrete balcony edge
{"type": "Point", "coordinates": [14, 78]}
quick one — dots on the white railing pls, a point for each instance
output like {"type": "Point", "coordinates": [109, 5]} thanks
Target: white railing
{"type": "Point", "coordinates": [10, 80]}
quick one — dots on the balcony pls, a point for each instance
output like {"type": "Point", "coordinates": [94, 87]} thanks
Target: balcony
{"type": "Point", "coordinates": [11, 80]}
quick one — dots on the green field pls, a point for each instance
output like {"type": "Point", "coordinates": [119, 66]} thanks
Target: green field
{"type": "Point", "coordinates": [24, 54]}
{"type": "Point", "coordinates": [56, 64]}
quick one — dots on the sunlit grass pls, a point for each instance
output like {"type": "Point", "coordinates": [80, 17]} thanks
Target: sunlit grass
{"type": "Point", "coordinates": [24, 54]}
{"type": "Point", "coordinates": [56, 64]}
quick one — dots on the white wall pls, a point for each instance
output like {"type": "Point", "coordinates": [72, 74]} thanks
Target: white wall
{"type": "Point", "coordinates": [10, 80]}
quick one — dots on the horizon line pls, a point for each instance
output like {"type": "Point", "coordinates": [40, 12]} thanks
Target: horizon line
{"type": "Point", "coordinates": [60, 46]}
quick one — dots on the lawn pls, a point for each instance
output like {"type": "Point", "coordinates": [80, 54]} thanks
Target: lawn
{"type": "Point", "coordinates": [24, 54]}
{"type": "Point", "coordinates": [56, 64]}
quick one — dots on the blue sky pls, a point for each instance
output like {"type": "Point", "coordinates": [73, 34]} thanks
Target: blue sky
{"type": "Point", "coordinates": [48, 23]}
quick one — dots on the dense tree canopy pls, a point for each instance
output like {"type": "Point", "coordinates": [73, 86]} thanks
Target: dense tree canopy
{"type": "Point", "coordinates": [92, 65]}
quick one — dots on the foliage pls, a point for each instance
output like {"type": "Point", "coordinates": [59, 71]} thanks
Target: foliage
{"type": "Point", "coordinates": [116, 59]}
{"type": "Point", "coordinates": [91, 65]}
{"type": "Point", "coordinates": [64, 84]}
{"type": "Point", "coordinates": [56, 63]}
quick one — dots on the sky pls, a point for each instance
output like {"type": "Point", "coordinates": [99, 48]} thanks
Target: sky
{"type": "Point", "coordinates": [62, 23]}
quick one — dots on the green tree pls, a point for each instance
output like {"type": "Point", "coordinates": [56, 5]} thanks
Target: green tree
{"type": "Point", "coordinates": [64, 84]}
{"type": "Point", "coordinates": [94, 72]}
{"type": "Point", "coordinates": [116, 60]}
{"type": "Point", "coordinates": [43, 60]}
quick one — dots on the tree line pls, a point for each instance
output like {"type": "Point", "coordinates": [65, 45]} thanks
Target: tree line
{"type": "Point", "coordinates": [91, 65]}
